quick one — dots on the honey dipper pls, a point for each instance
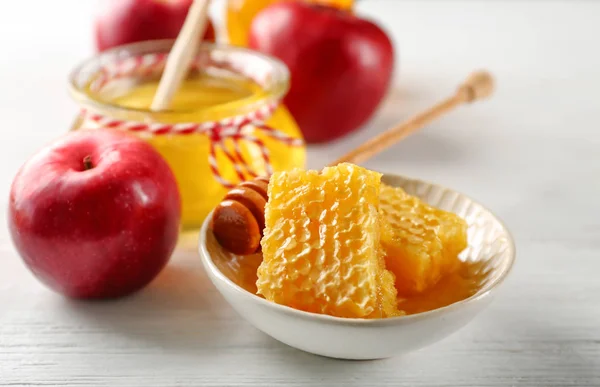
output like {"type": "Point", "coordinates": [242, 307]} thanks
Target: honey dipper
{"type": "Point", "coordinates": [238, 221]}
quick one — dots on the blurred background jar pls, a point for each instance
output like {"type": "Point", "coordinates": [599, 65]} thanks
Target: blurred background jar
{"type": "Point", "coordinates": [239, 15]}
{"type": "Point", "coordinates": [225, 125]}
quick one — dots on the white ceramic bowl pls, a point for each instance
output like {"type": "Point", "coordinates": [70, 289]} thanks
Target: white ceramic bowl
{"type": "Point", "coordinates": [490, 244]}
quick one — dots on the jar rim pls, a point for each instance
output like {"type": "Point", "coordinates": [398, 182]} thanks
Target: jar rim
{"type": "Point", "coordinates": [272, 90]}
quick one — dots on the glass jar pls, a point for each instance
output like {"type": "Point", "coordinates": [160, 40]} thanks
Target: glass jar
{"type": "Point", "coordinates": [225, 125]}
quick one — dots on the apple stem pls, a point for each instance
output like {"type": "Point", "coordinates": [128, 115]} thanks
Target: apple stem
{"type": "Point", "coordinates": [87, 163]}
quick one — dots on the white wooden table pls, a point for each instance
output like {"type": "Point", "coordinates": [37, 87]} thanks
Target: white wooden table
{"type": "Point", "coordinates": [530, 153]}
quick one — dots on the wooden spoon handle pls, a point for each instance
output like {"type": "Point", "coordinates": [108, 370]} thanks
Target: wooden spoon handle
{"type": "Point", "coordinates": [181, 54]}
{"type": "Point", "coordinates": [478, 85]}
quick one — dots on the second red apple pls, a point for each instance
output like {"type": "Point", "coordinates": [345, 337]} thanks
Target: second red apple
{"type": "Point", "coordinates": [128, 21]}
{"type": "Point", "coordinates": [341, 65]}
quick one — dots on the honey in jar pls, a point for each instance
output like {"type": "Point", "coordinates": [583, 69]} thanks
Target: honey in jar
{"type": "Point", "coordinates": [225, 123]}
{"type": "Point", "coordinates": [240, 13]}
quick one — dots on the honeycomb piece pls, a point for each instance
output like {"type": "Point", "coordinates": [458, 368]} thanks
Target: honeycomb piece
{"type": "Point", "coordinates": [421, 243]}
{"type": "Point", "coordinates": [321, 245]}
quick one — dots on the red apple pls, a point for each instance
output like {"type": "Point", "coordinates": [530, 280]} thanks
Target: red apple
{"type": "Point", "coordinates": [128, 21]}
{"type": "Point", "coordinates": [341, 65]}
{"type": "Point", "coordinates": [95, 214]}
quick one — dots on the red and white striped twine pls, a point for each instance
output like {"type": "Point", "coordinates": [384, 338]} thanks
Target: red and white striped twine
{"type": "Point", "coordinates": [238, 129]}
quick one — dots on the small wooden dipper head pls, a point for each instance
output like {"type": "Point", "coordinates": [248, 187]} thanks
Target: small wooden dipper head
{"type": "Point", "coordinates": [478, 85]}
{"type": "Point", "coordinates": [238, 221]}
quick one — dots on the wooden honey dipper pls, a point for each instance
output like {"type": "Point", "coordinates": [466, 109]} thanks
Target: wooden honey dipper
{"type": "Point", "coordinates": [238, 221]}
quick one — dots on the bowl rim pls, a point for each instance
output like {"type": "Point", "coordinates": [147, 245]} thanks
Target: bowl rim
{"type": "Point", "coordinates": [348, 321]}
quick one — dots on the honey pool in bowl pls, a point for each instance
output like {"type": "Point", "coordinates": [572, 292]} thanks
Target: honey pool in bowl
{"type": "Point", "coordinates": [458, 286]}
